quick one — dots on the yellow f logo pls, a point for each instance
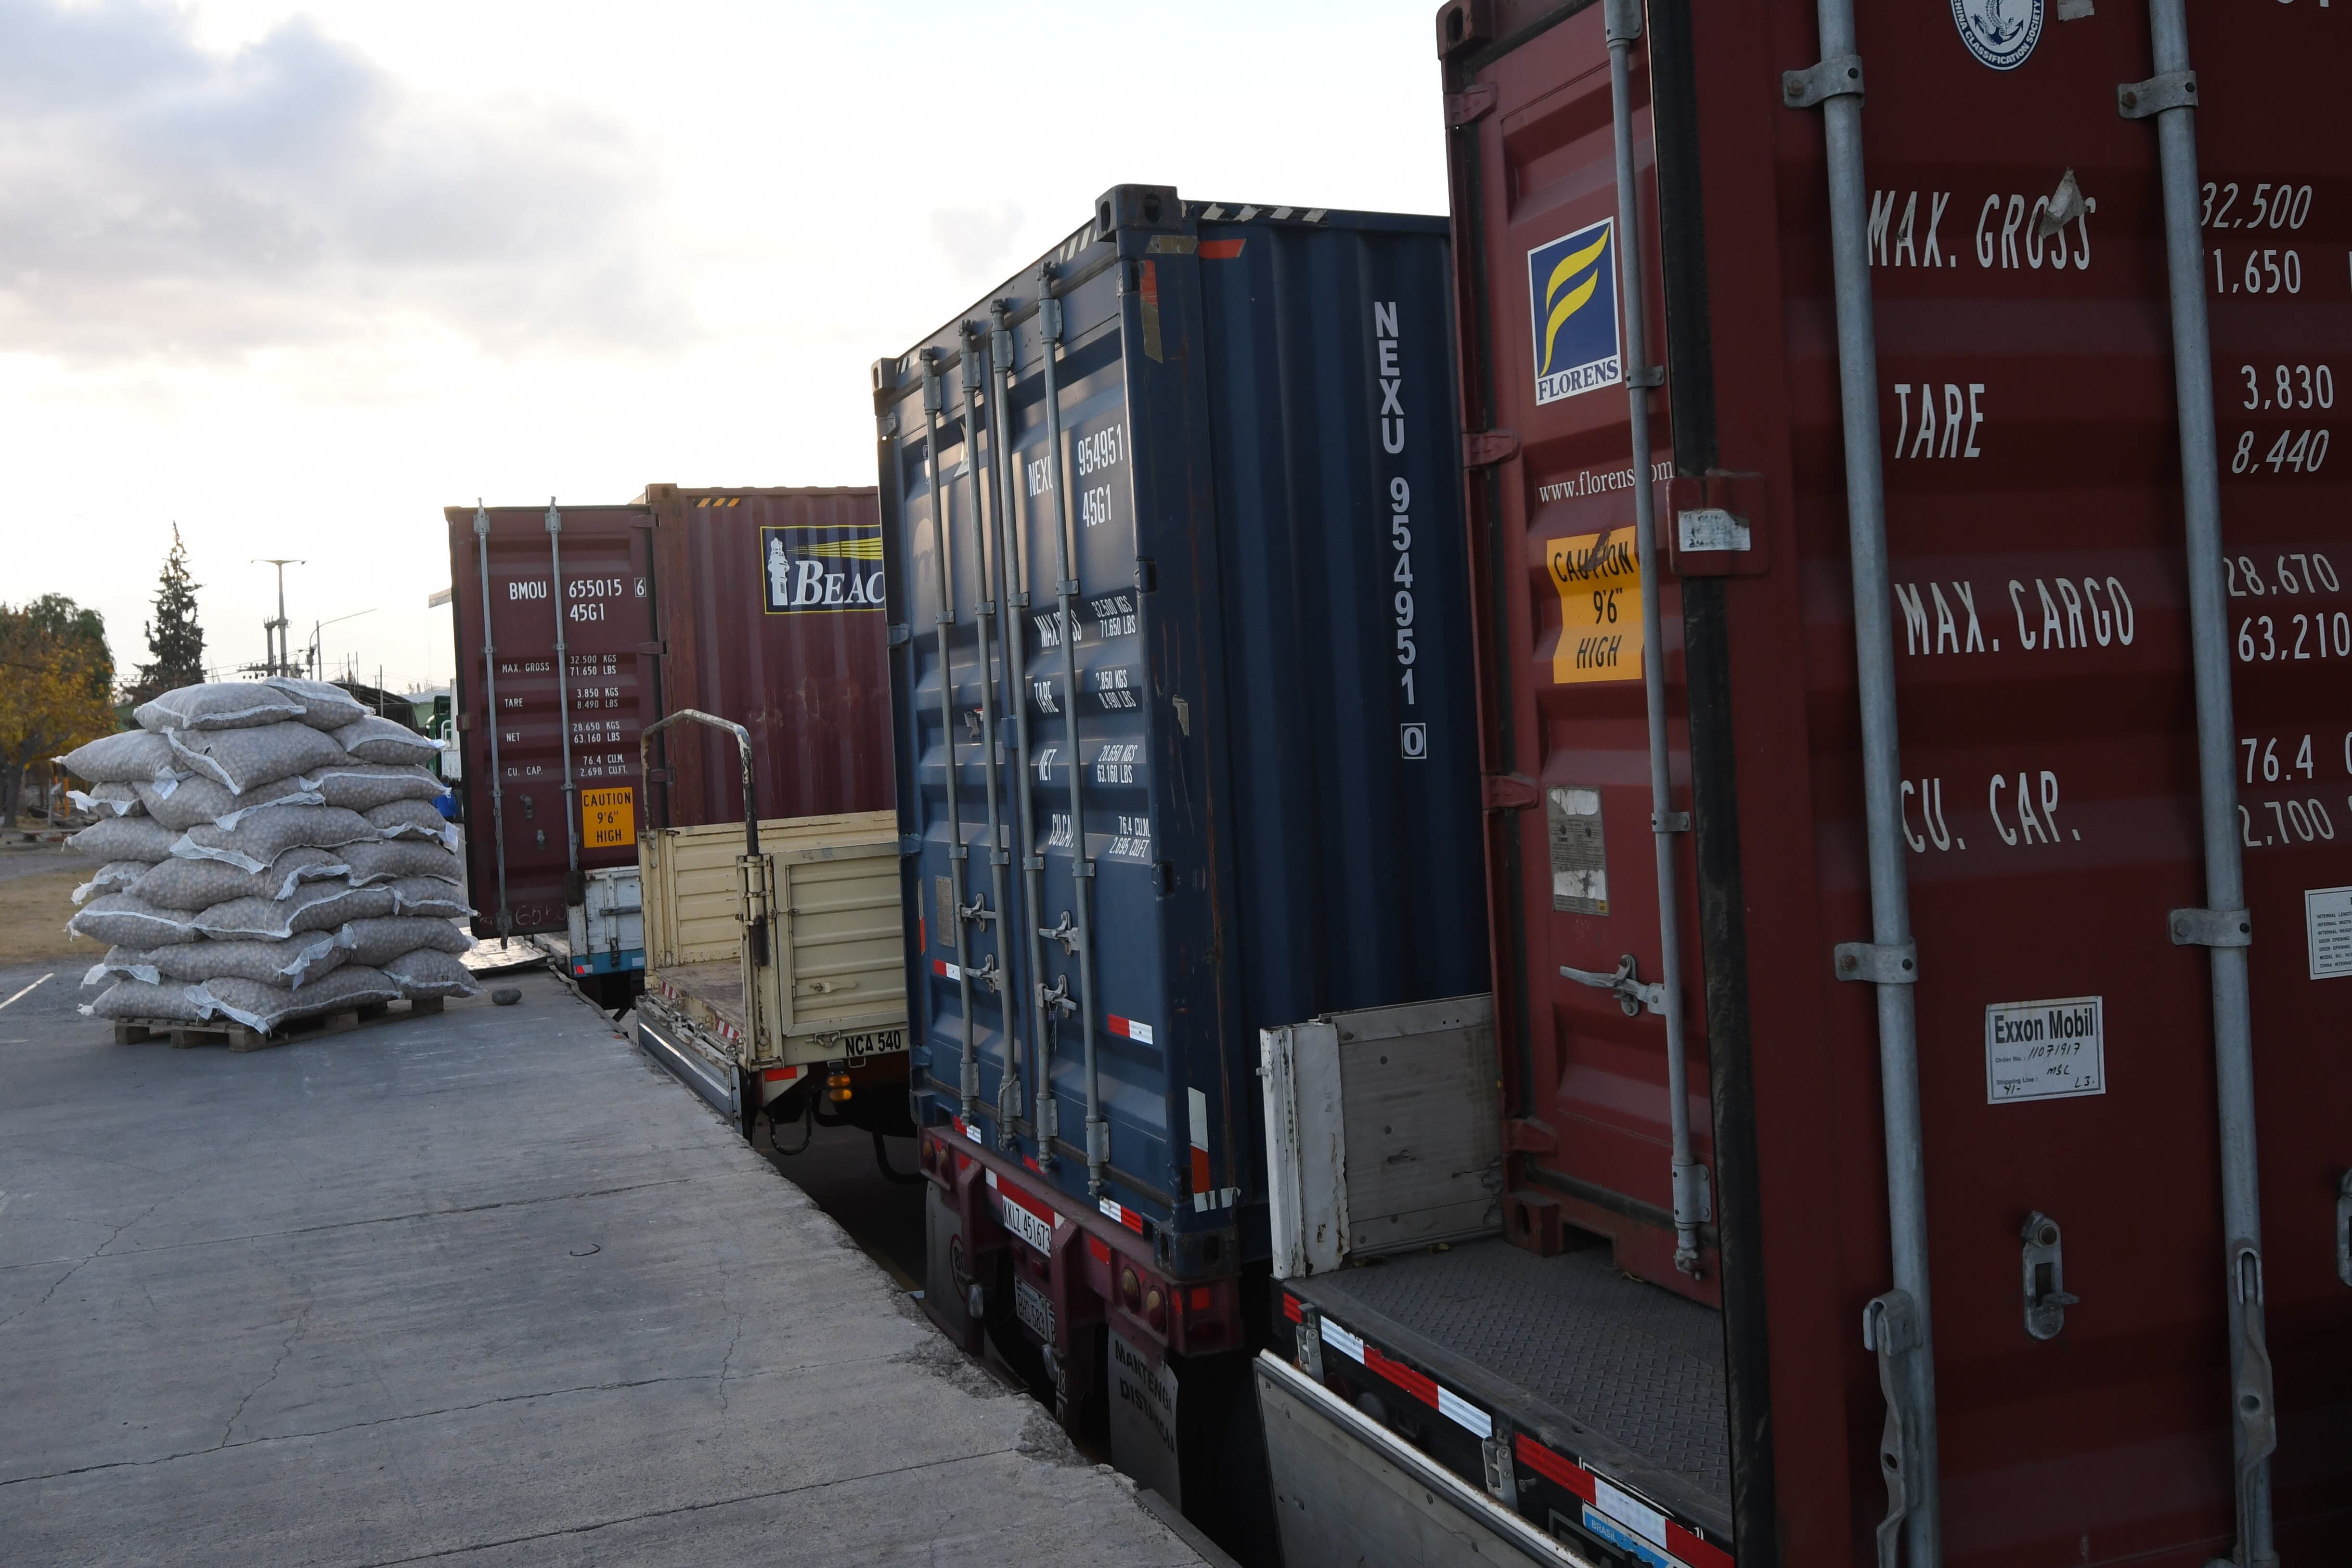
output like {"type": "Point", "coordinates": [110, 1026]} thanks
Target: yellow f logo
{"type": "Point", "coordinates": [1565, 296]}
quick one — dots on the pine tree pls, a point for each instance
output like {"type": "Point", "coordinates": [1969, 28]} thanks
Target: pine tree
{"type": "Point", "coordinates": [173, 636]}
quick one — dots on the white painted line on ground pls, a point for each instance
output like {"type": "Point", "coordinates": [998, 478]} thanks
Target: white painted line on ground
{"type": "Point", "coordinates": [50, 975]}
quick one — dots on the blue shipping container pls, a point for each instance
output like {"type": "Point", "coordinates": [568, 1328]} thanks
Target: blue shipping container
{"type": "Point", "coordinates": [1234, 462]}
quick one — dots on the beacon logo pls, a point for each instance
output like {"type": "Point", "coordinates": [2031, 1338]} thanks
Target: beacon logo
{"type": "Point", "coordinates": [822, 568]}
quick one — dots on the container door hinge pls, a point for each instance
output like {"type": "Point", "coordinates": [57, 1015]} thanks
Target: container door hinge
{"type": "Point", "coordinates": [887, 426]}
{"type": "Point", "coordinates": [910, 844]}
{"type": "Point", "coordinates": [2046, 1297]}
{"type": "Point", "coordinates": [1647, 375]}
{"type": "Point", "coordinates": [1473, 102]}
{"type": "Point", "coordinates": [1310, 1342]}
{"type": "Point", "coordinates": [2139, 100]}
{"type": "Point", "coordinates": [1482, 447]}
{"type": "Point", "coordinates": [901, 634]}
{"type": "Point", "coordinates": [2344, 1228]}
{"type": "Point", "coordinates": [1890, 1325]}
{"type": "Point", "coordinates": [1633, 996]}
{"type": "Point", "coordinates": [1509, 792]}
{"type": "Point", "coordinates": [1869, 962]}
{"type": "Point", "coordinates": [1670, 822]}
{"type": "Point", "coordinates": [1834, 78]}
{"type": "Point", "coordinates": [1502, 1482]}
{"type": "Point", "coordinates": [2211, 928]}
{"type": "Point", "coordinates": [1693, 1194]}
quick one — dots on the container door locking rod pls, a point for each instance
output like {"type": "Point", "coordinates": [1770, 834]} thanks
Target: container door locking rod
{"type": "Point", "coordinates": [1693, 1207]}
{"type": "Point", "coordinates": [943, 618]}
{"type": "Point", "coordinates": [1013, 584]}
{"type": "Point", "coordinates": [2170, 99]}
{"type": "Point", "coordinates": [572, 891]}
{"type": "Point", "coordinates": [1907, 1359]}
{"type": "Point", "coordinates": [1082, 870]}
{"type": "Point", "coordinates": [1008, 1025]}
{"type": "Point", "coordinates": [490, 718]}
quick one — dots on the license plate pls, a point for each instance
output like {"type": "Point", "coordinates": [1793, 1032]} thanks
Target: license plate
{"type": "Point", "coordinates": [1034, 1307]}
{"type": "Point", "coordinates": [1037, 1231]}
{"type": "Point", "coordinates": [874, 1043]}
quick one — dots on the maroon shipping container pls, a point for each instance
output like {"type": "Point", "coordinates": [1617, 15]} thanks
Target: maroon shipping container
{"type": "Point", "coordinates": [2035, 1095]}
{"type": "Point", "coordinates": [564, 802]}
{"type": "Point", "coordinates": [771, 617]}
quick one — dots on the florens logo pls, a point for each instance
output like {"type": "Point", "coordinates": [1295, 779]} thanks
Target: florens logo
{"type": "Point", "coordinates": [818, 568]}
{"type": "Point", "coordinates": [2000, 33]}
{"type": "Point", "coordinates": [1572, 294]}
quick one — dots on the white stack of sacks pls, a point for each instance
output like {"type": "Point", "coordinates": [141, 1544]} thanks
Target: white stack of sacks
{"type": "Point", "coordinates": [269, 851]}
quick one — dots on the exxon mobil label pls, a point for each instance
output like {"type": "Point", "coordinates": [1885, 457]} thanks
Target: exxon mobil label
{"type": "Point", "coordinates": [820, 568]}
{"type": "Point", "coordinates": [1572, 292]}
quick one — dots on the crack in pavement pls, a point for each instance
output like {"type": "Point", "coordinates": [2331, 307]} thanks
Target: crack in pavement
{"type": "Point", "coordinates": [301, 1320]}
{"type": "Point", "coordinates": [686, 1509]}
{"type": "Point", "coordinates": [58, 1283]}
{"type": "Point", "coordinates": [427, 1415]}
{"type": "Point", "coordinates": [353, 1223]}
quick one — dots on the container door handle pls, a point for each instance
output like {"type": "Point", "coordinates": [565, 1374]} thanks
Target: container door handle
{"type": "Point", "coordinates": [2046, 1297]}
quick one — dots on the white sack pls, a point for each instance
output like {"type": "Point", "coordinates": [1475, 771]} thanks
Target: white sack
{"type": "Point", "coordinates": [362, 786]}
{"type": "Point", "coordinates": [324, 707]}
{"type": "Point", "coordinates": [245, 759]}
{"type": "Point", "coordinates": [259, 837]}
{"type": "Point", "coordinates": [217, 705]}
{"type": "Point", "coordinates": [413, 819]}
{"type": "Point", "coordinates": [124, 838]}
{"type": "Point", "coordinates": [123, 963]}
{"type": "Point", "coordinates": [426, 896]}
{"type": "Point", "coordinates": [375, 739]}
{"type": "Point", "coordinates": [114, 877]}
{"type": "Point", "coordinates": [386, 861]}
{"type": "Point", "coordinates": [378, 942]}
{"type": "Point", "coordinates": [144, 999]}
{"type": "Point", "coordinates": [106, 800]}
{"type": "Point", "coordinates": [194, 802]}
{"type": "Point", "coordinates": [322, 906]}
{"type": "Point", "coordinates": [130, 756]}
{"type": "Point", "coordinates": [122, 919]}
{"type": "Point", "coordinates": [181, 883]}
{"type": "Point", "coordinates": [265, 1007]}
{"type": "Point", "coordinates": [289, 961]}
{"type": "Point", "coordinates": [430, 973]}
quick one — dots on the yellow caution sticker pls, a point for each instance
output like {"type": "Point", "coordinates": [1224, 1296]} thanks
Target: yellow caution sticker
{"type": "Point", "coordinates": [608, 818]}
{"type": "Point", "coordinates": [1599, 578]}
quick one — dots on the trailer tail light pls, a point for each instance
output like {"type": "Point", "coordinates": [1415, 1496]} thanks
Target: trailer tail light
{"type": "Point", "coordinates": [1131, 1291]}
{"type": "Point", "coordinates": [836, 1086]}
{"type": "Point", "coordinates": [1155, 1310]}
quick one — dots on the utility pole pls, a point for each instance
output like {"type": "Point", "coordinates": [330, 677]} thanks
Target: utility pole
{"type": "Point", "coordinates": [274, 632]}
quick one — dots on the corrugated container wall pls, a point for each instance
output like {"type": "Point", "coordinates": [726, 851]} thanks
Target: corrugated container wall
{"type": "Point", "coordinates": [592, 585]}
{"type": "Point", "coordinates": [772, 616]}
{"type": "Point", "coordinates": [2086, 1296]}
{"type": "Point", "coordinates": [1258, 473]}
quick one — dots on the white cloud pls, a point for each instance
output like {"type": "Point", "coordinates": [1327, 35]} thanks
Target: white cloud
{"type": "Point", "coordinates": [157, 199]}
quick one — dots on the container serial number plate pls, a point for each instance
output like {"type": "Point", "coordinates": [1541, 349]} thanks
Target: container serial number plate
{"type": "Point", "coordinates": [1034, 1307]}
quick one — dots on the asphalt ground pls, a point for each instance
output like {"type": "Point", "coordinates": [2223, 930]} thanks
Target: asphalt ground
{"type": "Point", "coordinates": [482, 1288]}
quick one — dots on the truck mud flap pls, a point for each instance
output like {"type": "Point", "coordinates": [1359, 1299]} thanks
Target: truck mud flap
{"type": "Point", "coordinates": [1349, 1491]}
{"type": "Point", "coordinates": [688, 1066]}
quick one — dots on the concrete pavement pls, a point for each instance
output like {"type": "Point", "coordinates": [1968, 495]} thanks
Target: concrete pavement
{"type": "Point", "coordinates": [487, 1289]}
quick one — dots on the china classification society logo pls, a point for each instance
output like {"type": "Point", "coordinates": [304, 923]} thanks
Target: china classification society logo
{"type": "Point", "coordinates": [1572, 291]}
{"type": "Point", "coordinates": [2000, 33]}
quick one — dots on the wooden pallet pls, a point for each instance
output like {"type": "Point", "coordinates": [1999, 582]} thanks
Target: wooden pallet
{"type": "Point", "coordinates": [183, 1035]}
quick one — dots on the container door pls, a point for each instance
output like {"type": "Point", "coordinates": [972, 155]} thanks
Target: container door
{"type": "Point", "coordinates": [2278, 216]}
{"type": "Point", "coordinates": [2048, 787]}
{"type": "Point", "coordinates": [604, 604]}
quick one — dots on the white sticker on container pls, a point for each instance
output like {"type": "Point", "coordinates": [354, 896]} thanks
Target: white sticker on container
{"type": "Point", "coordinates": [1709, 528]}
{"type": "Point", "coordinates": [2327, 920]}
{"type": "Point", "coordinates": [2045, 1051]}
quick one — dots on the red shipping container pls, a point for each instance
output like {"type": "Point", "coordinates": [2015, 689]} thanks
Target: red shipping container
{"type": "Point", "coordinates": [591, 585]}
{"type": "Point", "coordinates": [2038, 599]}
{"type": "Point", "coordinates": [772, 616]}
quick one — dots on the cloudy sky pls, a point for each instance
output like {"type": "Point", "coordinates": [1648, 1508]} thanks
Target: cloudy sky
{"type": "Point", "coordinates": [296, 276]}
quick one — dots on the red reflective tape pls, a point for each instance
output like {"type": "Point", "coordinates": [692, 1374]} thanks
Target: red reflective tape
{"type": "Point", "coordinates": [1012, 1191]}
{"type": "Point", "coordinates": [1203, 1298]}
{"type": "Point", "coordinates": [1099, 1250]}
{"type": "Point", "coordinates": [1150, 284]}
{"type": "Point", "coordinates": [1200, 1170]}
{"type": "Point", "coordinates": [1290, 1307]}
{"type": "Point", "coordinates": [1422, 1388]}
{"type": "Point", "coordinates": [782, 1075]}
{"type": "Point", "coordinates": [1692, 1551]}
{"type": "Point", "coordinates": [1032, 1165]}
{"type": "Point", "coordinates": [1555, 1469]}
{"type": "Point", "coordinates": [1221, 249]}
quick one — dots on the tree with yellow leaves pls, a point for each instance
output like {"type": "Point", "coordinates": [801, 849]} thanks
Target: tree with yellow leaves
{"type": "Point", "coordinates": [56, 688]}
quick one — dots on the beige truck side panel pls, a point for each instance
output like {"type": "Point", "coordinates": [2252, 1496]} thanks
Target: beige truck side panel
{"type": "Point", "coordinates": [835, 930]}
